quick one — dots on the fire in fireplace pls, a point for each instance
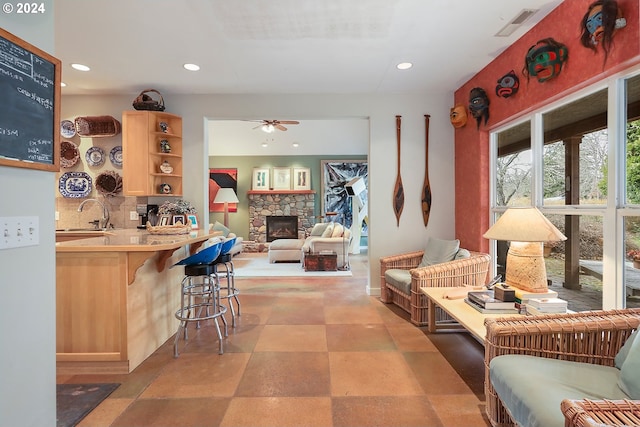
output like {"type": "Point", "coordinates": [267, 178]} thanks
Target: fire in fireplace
{"type": "Point", "coordinates": [282, 227]}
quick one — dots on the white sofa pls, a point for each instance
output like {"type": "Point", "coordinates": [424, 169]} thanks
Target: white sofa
{"type": "Point", "coordinates": [329, 236]}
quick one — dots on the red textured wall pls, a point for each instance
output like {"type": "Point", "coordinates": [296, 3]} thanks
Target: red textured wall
{"type": "Point", "coordinates": [582, 68]}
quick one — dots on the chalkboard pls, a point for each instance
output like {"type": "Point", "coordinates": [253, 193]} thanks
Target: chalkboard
{"type": "Point", "coordinates": [29, 105]}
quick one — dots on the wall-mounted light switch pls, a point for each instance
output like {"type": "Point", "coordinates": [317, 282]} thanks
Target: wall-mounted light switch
{"type": "Point", "coordinates": [17, 231]}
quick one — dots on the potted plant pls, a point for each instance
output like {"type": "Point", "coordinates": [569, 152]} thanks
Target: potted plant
{"type": "Point", "coordinates": [634, 255]}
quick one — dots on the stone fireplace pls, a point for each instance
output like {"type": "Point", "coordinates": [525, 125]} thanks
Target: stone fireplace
{"type": "Point", "coordinates": [262, 204]}
{"type": "Point", "coordinates": [282, 227]}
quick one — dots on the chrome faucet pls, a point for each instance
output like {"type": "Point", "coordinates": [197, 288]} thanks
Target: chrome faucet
{"type": "Point", "coordinates": [104, 221]}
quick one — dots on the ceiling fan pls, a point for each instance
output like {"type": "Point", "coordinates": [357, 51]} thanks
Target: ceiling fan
{"type": "Point", "coordinates": [270, 126]}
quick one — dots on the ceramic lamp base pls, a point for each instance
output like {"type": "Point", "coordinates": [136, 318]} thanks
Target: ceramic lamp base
{"type": "Point", "coordinates": [526, 269]}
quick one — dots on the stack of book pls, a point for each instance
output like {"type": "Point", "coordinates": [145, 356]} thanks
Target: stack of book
{"type": "Point", "coordinates": [546, 305]}
{"type": "Point", "coordinates": [485, 302]}
{"type": "Point", "coordinates": [522, 297]}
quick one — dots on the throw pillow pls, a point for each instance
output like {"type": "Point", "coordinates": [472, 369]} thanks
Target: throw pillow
{"type": "Point", "coordinates": [328, 231]}
{"type": "Point", "coordinates": [438, 251]}
{"type": "Point", "coordinates": [629, 380]}
{"type": "Point", "coordinates": [463, 254]}
{"type": "Point", "coordinates": [220, 227]}
{"type": "Point", "coordinates": [624, 350]}
{"type": "Point", "coordinates": [319, 228]}
{"type": "Point", "coordinates": [338, 229]}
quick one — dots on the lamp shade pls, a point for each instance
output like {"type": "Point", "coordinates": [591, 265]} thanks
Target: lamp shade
{"type": "Point", "coordinates": [526, 224]}
{"type": "Point", "coordinates": [226, 195]}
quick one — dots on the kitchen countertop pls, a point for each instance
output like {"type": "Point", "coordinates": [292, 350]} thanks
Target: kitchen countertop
{"type": "Point", "coordinates": [133, 240]}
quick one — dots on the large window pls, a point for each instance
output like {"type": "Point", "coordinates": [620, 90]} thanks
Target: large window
{"type": "Point", "coordinates": [582, 170]}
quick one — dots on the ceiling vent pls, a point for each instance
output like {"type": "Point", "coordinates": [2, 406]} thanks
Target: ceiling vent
{"type": "Point", "coordinates": [516, 22]}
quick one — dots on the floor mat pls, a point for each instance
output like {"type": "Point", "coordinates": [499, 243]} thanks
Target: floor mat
{"type": "Point", "coordinates": [75, 401]}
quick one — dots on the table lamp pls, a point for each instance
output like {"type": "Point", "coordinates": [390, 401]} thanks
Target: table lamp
{"type": "Point", "coordinates": [226, 196]}
{"type": "Point", "coordinates": [526, 228]}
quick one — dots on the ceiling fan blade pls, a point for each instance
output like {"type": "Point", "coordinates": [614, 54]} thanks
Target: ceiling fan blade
{"type": "Point", "coordinates": [289, 122]}
{"type": "Point", "coordinates": [280, 127]}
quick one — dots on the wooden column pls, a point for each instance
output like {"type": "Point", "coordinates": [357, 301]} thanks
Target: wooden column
{"type": "Point", "coordinates": [572, 222]}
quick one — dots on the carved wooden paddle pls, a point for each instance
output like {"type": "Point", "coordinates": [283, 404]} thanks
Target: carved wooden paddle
{"type": "Point", "coordinates": [398, 192]}
{"type": "Point", "coordinates": [426, 187]}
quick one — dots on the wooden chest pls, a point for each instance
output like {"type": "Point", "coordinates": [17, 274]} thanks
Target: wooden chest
{"type": "Point", "coordinates": [321, 261]}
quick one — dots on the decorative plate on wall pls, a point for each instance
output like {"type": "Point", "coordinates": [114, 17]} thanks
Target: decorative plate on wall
{"type": "Point", "coordinates": [69, 154]}
{"type": "Point", "coordinates": [95, 156]}
{"type": "Point", "coordinates": [116, 156]}
{"type": "Point", "coordinates": [75, 185]}
{"type": "Point", "coordinates": [67, 129]}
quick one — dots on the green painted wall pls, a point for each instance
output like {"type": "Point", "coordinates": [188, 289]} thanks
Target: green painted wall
{"type": "Point", "coordinates": [239, 221]}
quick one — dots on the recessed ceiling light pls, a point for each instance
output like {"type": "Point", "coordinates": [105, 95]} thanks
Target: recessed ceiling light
{"type": "Point", "coordinates": [404, 65]}
{"type": "Point", "coordinates": [265, 145]}
{"type": "Point", "coordinates": [191, 67]}
{"type": "Point", "coordinates": [80, 67]}
{"type": "Point", "coordinates": [295, 145]}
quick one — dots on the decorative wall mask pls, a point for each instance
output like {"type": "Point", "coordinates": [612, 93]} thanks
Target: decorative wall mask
{"type": "Point", "coordinates": [508, 85]}
{"type": "Point", "coordinates": [599, 24]}
{"type": "Point", "coordinates": [545, 59]}
{"type": "Point", "coordinates": [479, 105]}
{"type": "Point", "coordinates": [458, 116]}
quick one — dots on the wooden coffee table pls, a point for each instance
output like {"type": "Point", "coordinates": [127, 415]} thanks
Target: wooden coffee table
{"type": "Point", "coordinates": [468, 317]}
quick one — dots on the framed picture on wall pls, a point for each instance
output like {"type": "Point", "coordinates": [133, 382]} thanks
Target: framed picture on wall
{"type": "Point", "coordinates": [301, 179]}
{"type": "Point", "coordinates": [335, 174]}
{"type": "Point", "coordinates": [260, 179]}
{"type": "Point", "coordinates": [222, 178]}
{"type": "Point", "coordinates": [282, 178]}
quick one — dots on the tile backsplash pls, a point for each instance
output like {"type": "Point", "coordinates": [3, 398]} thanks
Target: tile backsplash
{"type": "Point", "coordinates": [119, 211]}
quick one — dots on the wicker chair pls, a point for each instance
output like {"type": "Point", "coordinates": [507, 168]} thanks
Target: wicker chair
{"type": "Point", "coordinates": [591, 337]}
{"type": "Point", "coordinates": [470, 271]}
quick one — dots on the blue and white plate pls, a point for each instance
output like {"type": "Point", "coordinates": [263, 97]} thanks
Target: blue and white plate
{"type": "Point", "coordinates": [75, 185]}
{"type": "Point", "coordinates": [116, 156]}
{"type": "Point", "coordinates": [95, 156]}
{"type": "Point", "coordinates": [67, 128]}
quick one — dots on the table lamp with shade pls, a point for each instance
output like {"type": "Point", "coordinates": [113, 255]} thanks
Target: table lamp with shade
{"type": "Point", "coordinates": [526, 228]}
{"type": "Point", "coordinates": [226, 196]}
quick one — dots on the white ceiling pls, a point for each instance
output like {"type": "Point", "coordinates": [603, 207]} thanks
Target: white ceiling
{"type": "Point", "coordinates": [281, 47]}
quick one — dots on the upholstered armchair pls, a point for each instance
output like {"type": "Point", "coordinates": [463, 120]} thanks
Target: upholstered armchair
{"type": "Point", "coordinates": [402, 276]}
{"type": "Point", "coordinates": [532, 378]}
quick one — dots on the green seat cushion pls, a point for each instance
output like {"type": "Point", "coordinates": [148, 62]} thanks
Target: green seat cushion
{"type": "Point", "coordinates": [438, 251]}
{"type": "Point", "coordinates": [399, 278]}
{"type": "Point", "coordinates": [532, 388]}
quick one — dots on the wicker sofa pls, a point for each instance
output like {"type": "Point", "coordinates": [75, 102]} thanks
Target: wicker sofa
{"type": "Point", "coordinates": [471, 271]}
{"type": "Point", "coordinates": [593, 337]}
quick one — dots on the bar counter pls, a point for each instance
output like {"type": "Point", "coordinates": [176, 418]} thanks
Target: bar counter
{"type": "Point", "coordinates": [116, 296]}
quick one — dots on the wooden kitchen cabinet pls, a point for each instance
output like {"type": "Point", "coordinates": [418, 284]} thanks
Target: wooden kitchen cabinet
{"type": "Point", "coordinates": [143, 133]}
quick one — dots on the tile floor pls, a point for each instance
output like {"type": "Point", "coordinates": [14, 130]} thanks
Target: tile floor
{"type": "Point", "coordinates": [305, 352]}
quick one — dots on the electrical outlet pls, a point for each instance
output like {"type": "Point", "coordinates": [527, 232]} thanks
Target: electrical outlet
{"type": "Point", "coordinates": [18, 231]}
{"type": "Point", "coordinates": [133, 215]}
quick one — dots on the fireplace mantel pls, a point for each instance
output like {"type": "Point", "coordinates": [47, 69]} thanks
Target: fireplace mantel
{"type": "Point", "coordinates": [281, 192]}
